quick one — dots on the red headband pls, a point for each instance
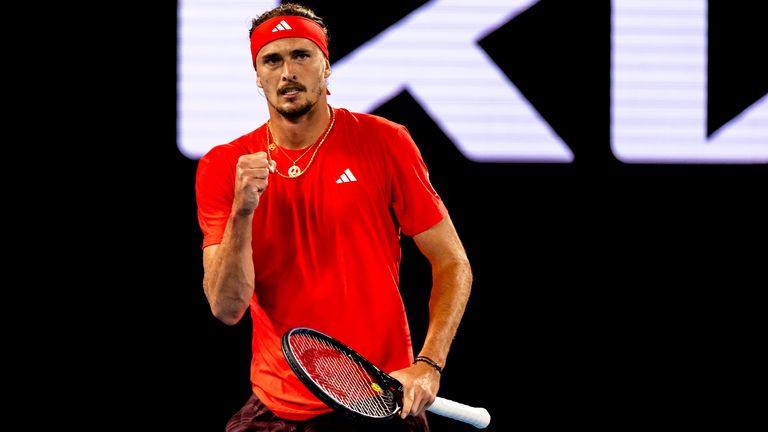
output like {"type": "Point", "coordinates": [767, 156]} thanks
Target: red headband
{"type": "Point", "coordinates": [285, 27]}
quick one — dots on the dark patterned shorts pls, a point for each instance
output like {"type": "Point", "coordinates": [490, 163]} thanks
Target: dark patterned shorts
{"type": "Point", "coordinates": [255, 416]}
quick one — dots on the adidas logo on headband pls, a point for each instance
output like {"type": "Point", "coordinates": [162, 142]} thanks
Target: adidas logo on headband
{"type": "Point", "coordinates": [282, 26]}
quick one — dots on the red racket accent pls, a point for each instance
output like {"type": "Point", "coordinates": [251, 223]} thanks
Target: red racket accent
{"type": "Point", "coordinates": [341, 377]}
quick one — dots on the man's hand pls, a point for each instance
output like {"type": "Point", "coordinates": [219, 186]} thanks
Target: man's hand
{"type": "Point", "coordinates": [420, 384]}
{"type": "Point", "coordinates": [252, 177]}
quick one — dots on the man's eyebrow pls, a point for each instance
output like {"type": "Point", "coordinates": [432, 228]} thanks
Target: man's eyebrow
{"type": "Point", "coordinates": [270, 56]}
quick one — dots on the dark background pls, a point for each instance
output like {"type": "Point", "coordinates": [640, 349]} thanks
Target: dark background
{"type": "Point", "coordinates": [606, 294]}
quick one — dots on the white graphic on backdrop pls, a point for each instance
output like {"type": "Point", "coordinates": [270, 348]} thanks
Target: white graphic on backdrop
{"type": "Point", "coordinates": [658, 82]}
{"type": "Point", "coordinates": [659, 90]}
{"type": "Point", "coordinates": [433, 53]}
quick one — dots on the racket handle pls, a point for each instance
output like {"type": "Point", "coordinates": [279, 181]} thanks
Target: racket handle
{"type": "Point", "coordinates": [477, 417]}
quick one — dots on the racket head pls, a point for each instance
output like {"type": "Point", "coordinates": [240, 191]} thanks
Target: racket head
{"type": "Point", "coordinates": [340, 377]}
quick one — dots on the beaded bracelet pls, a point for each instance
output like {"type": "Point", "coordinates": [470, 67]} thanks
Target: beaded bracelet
{"type": "Point", "coordinates": [430, 362]}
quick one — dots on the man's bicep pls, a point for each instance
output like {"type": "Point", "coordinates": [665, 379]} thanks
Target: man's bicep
{"type": "Point", "coordinates": [440, 242]}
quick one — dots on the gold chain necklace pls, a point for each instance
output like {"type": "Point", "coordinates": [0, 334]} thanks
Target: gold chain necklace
{"type": "Point", "coordinates": [294, 171]}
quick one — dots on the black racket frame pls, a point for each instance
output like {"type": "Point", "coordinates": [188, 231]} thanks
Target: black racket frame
{"type": "Point", "coordinates": [384, 380]}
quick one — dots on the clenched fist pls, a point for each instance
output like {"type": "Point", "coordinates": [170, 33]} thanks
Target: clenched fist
{"type": "Point", "coordinates": [251, 179]}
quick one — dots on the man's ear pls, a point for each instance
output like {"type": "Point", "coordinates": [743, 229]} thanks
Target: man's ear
{"type": "Point", "coordinates": [258, 81]}
{"type": "Point", "coordinates": [327, 68]}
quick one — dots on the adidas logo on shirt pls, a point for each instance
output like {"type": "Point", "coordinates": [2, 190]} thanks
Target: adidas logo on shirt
{"type": "Point", "coordinates": [346, 177]}
{"type": "Point", "coordinates": [282, 26]}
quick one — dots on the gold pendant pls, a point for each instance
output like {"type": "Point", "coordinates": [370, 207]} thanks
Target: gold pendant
{"type": "Point", "coordinates": [272, 146]}
{"type": "Point", "coordinates": [294, 171]}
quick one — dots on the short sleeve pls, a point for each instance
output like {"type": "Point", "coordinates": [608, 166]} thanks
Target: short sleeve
{"type": "Point", "coordinates": [214, 191]}
{"type": "Point", "coordinates": [416, 204]}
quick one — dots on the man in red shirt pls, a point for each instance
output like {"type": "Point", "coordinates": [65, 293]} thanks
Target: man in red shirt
{"type": "Point", "coordinates": [301, 222]}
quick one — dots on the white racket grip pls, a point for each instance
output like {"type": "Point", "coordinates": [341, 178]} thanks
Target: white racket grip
{"type": "Point", "coordinates": [477, 417]}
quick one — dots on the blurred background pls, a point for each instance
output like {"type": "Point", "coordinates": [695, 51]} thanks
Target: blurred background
{"type": "Point", "coordinates": [604, 163]}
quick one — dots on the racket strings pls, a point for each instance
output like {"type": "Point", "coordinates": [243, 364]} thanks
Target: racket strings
{"type": "Point", "coordinates": [343, 378]}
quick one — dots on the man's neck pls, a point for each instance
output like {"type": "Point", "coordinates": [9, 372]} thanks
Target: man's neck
{"type": "Point", "coordinates": [301, 132]}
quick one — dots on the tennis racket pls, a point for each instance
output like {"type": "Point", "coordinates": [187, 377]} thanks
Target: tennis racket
{"type": "Point", "coordinates": [347, 382]}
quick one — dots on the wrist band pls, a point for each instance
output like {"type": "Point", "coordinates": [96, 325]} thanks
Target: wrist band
{"type": "Point", "coordinates": [430, 362]}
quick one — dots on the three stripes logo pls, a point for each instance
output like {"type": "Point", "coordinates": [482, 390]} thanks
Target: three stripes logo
{"type": "Point", "coordinates": [282, 26]}
{"type": "Point", "coordinates": [346, 177]}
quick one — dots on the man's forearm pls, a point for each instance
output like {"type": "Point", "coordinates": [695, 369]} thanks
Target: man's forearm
{"type": "Point", "coordinates": [450, 292]}
{"type": "Point", "coordinates": [229, 273]}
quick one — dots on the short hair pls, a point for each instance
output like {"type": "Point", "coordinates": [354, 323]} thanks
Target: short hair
{"type": "Point", "coordinates": [290, 9]}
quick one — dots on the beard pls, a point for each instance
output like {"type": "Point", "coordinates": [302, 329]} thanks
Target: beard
{"type": "Point", "coordinates": [296, 111]}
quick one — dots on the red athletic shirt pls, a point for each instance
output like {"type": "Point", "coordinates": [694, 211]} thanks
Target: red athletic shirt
{"type": "Point", "coordinates": [326, 245]}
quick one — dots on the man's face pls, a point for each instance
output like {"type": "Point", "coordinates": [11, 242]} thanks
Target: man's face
{"type": "Point", "coordinates": [292, 72]}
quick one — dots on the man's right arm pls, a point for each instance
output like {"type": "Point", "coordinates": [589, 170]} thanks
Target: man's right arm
{"type": "Point", "coordinates": [229, 275]}
{"type": "Point", "coordinates": [228, 281]}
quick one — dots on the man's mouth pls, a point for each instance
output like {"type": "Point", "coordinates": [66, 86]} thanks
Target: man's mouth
{"type": "Point", "coordinates": [290, 90]}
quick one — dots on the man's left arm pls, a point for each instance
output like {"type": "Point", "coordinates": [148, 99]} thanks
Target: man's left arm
{"type": "Point", "coordinates": [451, 285]}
